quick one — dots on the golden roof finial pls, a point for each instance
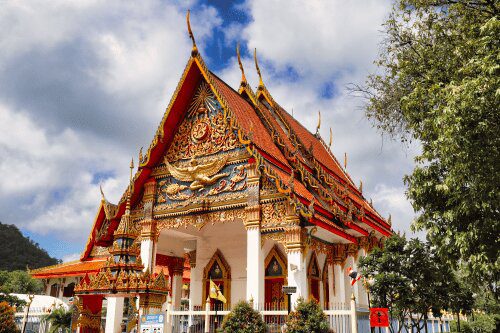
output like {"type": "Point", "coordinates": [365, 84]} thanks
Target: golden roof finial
{"type": "Point", "coordinates": [261, 82]}
{"type": "Point", "coordinates": [194, 50]}
{"type": "Point", "coordinates": [140, 156]}
{"type": "Point", "coordinates": [389, 220]}
{"type": "Point", "coordinates": [243, 78]}
{"type": "Point", "coordinates": [319, 123]}
{"type": "Point", "coordinates": [345, 160]}
{"type": "Point", "coordinates": [102, 193]}
{"type": "Point", "coordinates": [361, 186]}
{"type": "Point", "coordinates": [331, 139]}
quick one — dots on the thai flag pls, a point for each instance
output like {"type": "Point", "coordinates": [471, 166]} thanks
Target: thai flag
{"type": "Point", "coordinates": [355, 277]}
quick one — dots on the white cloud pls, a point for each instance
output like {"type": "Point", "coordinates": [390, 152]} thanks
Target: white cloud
{"type": "Point", "coordinates": [71, 257]}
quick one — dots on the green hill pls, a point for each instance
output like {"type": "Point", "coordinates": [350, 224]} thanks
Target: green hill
{"type": "Point", "coordinates": [17, 251]}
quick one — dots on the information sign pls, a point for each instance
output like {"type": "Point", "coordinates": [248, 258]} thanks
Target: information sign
{"type": "Point", "coordinates": [288, 290]}
{"type": "Point", "coordinates": [152, 323]}
{"type": "Point", "coordinates": [379, 317]}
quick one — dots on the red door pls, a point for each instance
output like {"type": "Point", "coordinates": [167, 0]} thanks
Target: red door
{"type": "Point", "coordinates": [274, 297]}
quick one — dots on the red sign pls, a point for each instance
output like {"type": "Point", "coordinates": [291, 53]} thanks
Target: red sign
{"type": "Point", "coordinates": [379, 317]}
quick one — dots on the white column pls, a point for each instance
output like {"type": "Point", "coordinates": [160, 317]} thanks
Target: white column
{"type": "Point", "coordinates": [61, 290]}
{"type": "Point", "coordinates": [363, 296]}
{"type": "Point", "coordinates": [147, 253]}
{"type": "Point", "coordinates": [331, 284]}
{"type": "Point", "coordinates": [114, 314]}
{"type": "Point", "coordinates": [297, 274]}
{"type": "Point", "coordinates": [176, 290]}
{"type": "Point", "coordinates": [321, 294]}
{"type": "Point", "coordinates": [340, 294]}
{"type": "Point", "coordinates": [255, 267]}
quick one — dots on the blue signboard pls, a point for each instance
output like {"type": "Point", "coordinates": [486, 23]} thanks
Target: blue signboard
{"type": "Point", "coordinates": [152, 323]}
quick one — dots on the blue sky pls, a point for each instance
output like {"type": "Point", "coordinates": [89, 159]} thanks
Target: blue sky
{"type": "Point", "coordinates": [83, 85]}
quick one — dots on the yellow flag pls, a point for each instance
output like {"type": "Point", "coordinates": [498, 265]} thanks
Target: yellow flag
{"type": "Point", "coordinates": [215, 292]}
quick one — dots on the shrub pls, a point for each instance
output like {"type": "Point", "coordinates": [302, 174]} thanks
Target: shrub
{"type": "Point", "coordinates": [308, 317]}
{"type": "Point", "coordinates": [7, 323]}
{"type": "Point", "coordinates": [243, 319]}
{"type": "Point", "coordinates": [482, 323]}
{"type": "Point", "coordinates": [59, 319]}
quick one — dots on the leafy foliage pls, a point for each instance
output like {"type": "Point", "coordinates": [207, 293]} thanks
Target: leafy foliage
{"type": "Point", "coordinates": [59, 319]}
{"type": "Point", "coordinates": [308, 317]}
{"type": "Point", "coordinates": [19, 282]}
{"type": "Point", "coordinates": [7, 323]}
{"type": "Point", "coordinates": [440, 73]}
{"type": "Point", "coordinates": [479, 323]}
{"type": "Point", "coordinates": [243, 319]}
{"type": "Point", "coordinates": [409, 279]}
{"type": "Point", "coordinates": [18, 251]}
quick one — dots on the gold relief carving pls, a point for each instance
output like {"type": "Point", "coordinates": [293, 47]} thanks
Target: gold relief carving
{"type": "Point", "coordinates": [364, 242]}
{"type": "Point", "coordinates": [278, 237]}
{"type": "Point", "coordinates": [200, 220]}
{"type": "Point", "coordinates": [152, 301]}
{"type": "Point", "coordinates": [352, 249]}
{"type": "Point", "coordinates": [148, 229]}
{"type": "Point", "coordinates": [339, 254]}
{"type": "Point", "coordinates": [204, 131]}
{"type": "Point", "coordinates": [200, 175]}
{"type": "Point", "coordinates": [294, 239]}
{"type": "Point", "coordinates": [318, 246]}
{"type": "Point", "coordinates": [274, 215]}
{"type": "Point", "coordinates": [149, 190]}
{"type": "Point", "coordinates": [252, 219]}
{"type": "Point", "coordinates": [89, 320]}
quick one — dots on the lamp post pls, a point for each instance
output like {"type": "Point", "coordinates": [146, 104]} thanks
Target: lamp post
{"type": "Point", "coordinates": [369, 282]}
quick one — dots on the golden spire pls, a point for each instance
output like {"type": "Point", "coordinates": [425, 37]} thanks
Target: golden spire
{"type": "Point", "coordinates": [140, 156]}
{"type": "Point", "coordinates": [361, 186]}
{"type": "Point", "coordinates": [243, 78]}
{"type": "Point", "coordinates": [331, 139]}
{"type": "Point", "coordinates": [129, 192]}
{"type": "Point", "coordinates": [389, 220]}
{"type": "Point", "coordinates": [319, 122]}
{"type": "Point", "coordinates": [345, 160]}
{"type": "Point", "coordinates": [261, 83]}
{"type": "Point", "coordinates": [194, 50]}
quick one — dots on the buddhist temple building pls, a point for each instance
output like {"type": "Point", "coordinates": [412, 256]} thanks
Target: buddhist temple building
{"type": "Point", "coordinates": [232, 189]}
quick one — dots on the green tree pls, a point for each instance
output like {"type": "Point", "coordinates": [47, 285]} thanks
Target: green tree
{"type": "Point", "coordinates": [243, 319]}
{"type": "Point", "coordinates": [409, 279]}
{"type": "Point", "coordinates": [59, 319]}
{"type": "Point", "coordinates": [19, 282]}
{"type": "Point", "coordinates": [438, 83]}
{"type": "Point", "coordinates": [7, 323]}
{"type": "Point", "coordinates": [306, 318]}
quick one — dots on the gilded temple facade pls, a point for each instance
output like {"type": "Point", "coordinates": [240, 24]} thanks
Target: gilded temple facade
{"type": "Point", "coordinates": [233, 189]}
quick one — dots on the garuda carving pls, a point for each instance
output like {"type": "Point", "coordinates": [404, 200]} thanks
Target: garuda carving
{"type": "Point", "coordinates": [200, 175]}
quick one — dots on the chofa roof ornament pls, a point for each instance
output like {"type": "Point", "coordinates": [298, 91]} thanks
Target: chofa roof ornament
{"type": "Point", "coordinates": [194, 50]}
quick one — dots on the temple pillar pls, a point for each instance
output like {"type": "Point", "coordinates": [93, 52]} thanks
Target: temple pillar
{"type": "Point", "coordinates": [89, 320]}
{"type": "Point", "coordinates": [255, 260]}
{"type": "Point", "coordinates": [176, 270]}
{"type": "Point", "coordinates": [338, 260]}
{"type": "Point", "coordinates": [297, 268]}
{"type": "Point", "coordinates": [61, 288]}
{"type": "Point", "coordinates": [331, 283]}
{"type": "Point", "coordinates": [114, 314]}
{"type": "Point", "coordinates": [148, 228]}
{"type": "Point", "coordinates": [255, 257]}
{"type": "Point", "coordinates": [322, 294]}
{"type": "Point", "coordinates": [352, 252]}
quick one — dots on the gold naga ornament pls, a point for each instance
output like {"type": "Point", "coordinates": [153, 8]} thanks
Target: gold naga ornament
{"type": "Point", "coordinates": [200, 175]}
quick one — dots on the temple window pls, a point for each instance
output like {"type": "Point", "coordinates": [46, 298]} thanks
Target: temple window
{"type": "Point", "coordinates": [275, 277]}
{"type": "Point", "coordinates": [314, 276]}
{"type": "Point", "coordinates": [69, 290]}
{"type": "Point", "coordinates": [219, 272]}
{"type": "Point", "coordinates": [54, 290]}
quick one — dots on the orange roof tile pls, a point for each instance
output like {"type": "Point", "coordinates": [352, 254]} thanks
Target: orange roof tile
{"type": "Point", "coordinates": [74, 268]}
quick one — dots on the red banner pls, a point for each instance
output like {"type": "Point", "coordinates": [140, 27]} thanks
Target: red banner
{"type": "Point", "coordinates": [379, 317]}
